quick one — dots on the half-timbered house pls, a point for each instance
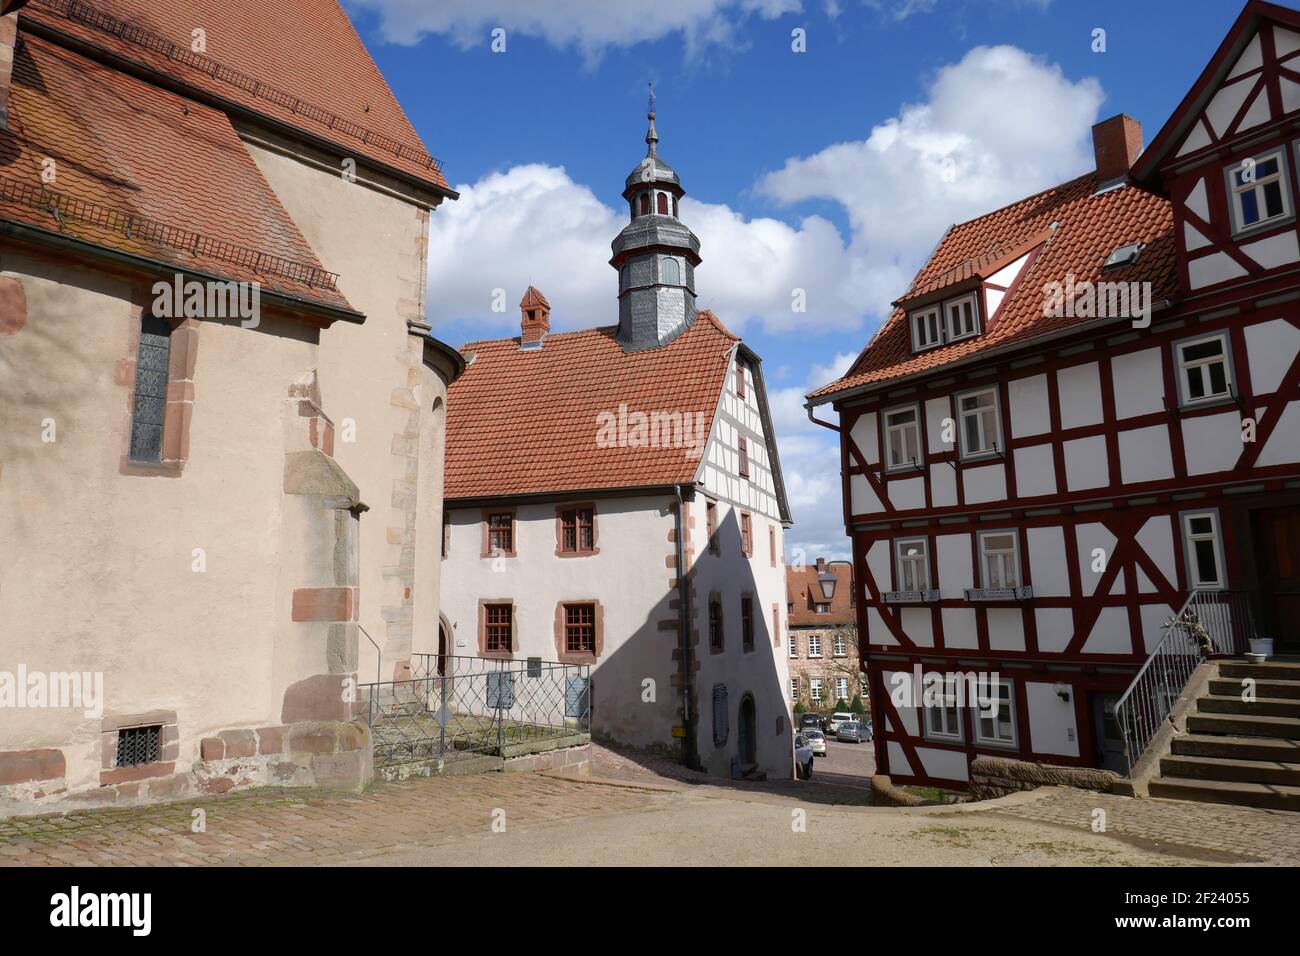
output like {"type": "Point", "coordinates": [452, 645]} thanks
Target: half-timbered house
{"type": "Point", "coordinates": [1085, 410]}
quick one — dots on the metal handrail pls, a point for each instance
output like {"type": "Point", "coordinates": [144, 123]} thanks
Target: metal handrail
{"type": "Point", "coordinates": [1209, 624]}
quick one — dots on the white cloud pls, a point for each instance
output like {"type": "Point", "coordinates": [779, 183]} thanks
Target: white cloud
{"type": "Point", "coordinates": [534, 225]}
{"type": "Point", "coordinates": [590, 26]}
{"type": "Point", "coordinates": [975, 144]}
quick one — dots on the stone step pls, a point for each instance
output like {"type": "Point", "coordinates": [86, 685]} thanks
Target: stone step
{"type": "Point", "coordinates": [1243, 725]}
{"type": "Point", "coordinates": [1259, 707]}
{"type": "Point", "coordinates": [1220, 768]}
{"type": "Point", "coordinates": [1265, 795]}
{"type": "Point", "coordinates": [1237, 748]}
{"type": "Point", "coordinates": [1269, 670]}
{"type": "Point", "coordinates": [1232, 687]}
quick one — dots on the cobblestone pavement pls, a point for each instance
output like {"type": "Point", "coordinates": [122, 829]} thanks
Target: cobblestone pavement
{"type": "Point", "coordinates": [620, 763]}
{"type": "Point", "coordinates": [287, 827]}
{"type": "Point", "coordinates": [685, 819]}
{"type": "Point", "coordinates": [1269, 836]}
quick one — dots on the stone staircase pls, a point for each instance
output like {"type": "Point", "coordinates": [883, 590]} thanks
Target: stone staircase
{"type": "Point", "coordinates": [1238, 751]}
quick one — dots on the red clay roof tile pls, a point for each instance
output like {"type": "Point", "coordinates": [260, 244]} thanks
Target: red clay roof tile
{"type": "Point", "coordinates": [300, 63]}
{"type": "Point", "coordinates": [1089, 226]}
{"type": "Point", "coordinates": [523, 422]}
{"type": "Point", "coordinates": [804, 593]}
{"type": "Point", "coordinates": [133, 161]}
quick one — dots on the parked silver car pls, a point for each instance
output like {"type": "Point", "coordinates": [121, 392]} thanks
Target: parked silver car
{"type": "Point", "coordinates": [851, 732]}
{"type": "Point", "coordinates": [816, 740]}
{"type": "Point", "coordinates": [803, 757]}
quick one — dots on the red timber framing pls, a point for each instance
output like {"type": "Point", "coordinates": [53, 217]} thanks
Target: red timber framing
{"type": "Point", "coordinates": [1122, 342]}
{"type": "Point", "coordinates": [1122, 509]}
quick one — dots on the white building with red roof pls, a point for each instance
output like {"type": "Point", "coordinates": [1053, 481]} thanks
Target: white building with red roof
{"type": "Point", "coordinates": [1082, 418]}
{"type": "Point", "coordinates": [614, 498]}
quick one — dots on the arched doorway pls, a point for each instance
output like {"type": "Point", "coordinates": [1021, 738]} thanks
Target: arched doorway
{"type": "Point", "coordinates": [747, 732]}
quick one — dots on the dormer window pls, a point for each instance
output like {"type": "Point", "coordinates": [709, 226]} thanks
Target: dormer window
{"type": "Point", "coordinates": [961, 317]}
{"type": "Point", "coordinates": [1257, 190]}
{"type": "Point", "coordinates": [925, 328]}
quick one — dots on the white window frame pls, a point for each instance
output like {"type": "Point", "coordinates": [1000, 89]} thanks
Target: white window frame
{"type": "Point", "coordinates": [841, 682]}
{"type": "Point", "coordinates": [822, 607]}
{"type": "Point", "coordinates": [1235, 191]}
{"type": "Point", "coordinates": [924, 560]}
{"type": "Point", "coordinates": [932, 317]}
{"type": "Point", "coordinates": [949, 733]}
{"type": "Point", "coordinates": [839, 646]}
{"type": "Point", "coordinates": [914, 427]}
{"type": "Point", "coordinates": [1190, 540]}
{"type": "Point", "coordinates": [814, 645]}
{"type": "Point", "coordinates": [1183, 366]}
{"type": "Point", "coordinates": [953, 306]}
{"type": "Point", "coordinates": [794, 690]}
{"type": "Point", "coordinates": [984, 577]}
{"type": "Point", "coordinates": [815, 689]}
{"type": "Point", "coordinates": [794, 647]}
{"type": "Point", "coordinates": [995, 447]}
{"type": "Point", "coordinates": [977, 719]}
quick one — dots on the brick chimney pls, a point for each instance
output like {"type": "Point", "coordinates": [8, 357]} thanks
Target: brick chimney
{"type": "Point", "coordinates": [535, 318]}
{"type": "Point", "coordinates": [8, 40]}
{"type": "Point", "coordinates": [821, 565]}
{"type": "Point", "coordinates": [1116, 143]}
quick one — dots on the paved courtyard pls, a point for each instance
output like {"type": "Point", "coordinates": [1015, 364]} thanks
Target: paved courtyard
{"type": "Point", "coordinates": [645, 810]}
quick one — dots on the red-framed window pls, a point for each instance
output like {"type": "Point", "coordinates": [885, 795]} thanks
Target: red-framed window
{"type": "Point", "coordinates": [711, 517]}
{"type": "Point", "coordinates": [740, 380]}
{"type": "Point", "coordinates": [498, 627]}
{"type": "Point", "coordinates": [580, 628]}
{"type": "Point", "coordinates": [747, 623]}
{"type": "Point", "coordinates": [577, 530]}
{"type": "Point", "coordinates": [501, 533]}
{"type": "Point", "coordinates": [715, 624]}
{"type": "Point", "coordinates": [747, 533]}
{"type": "Point", "coordinates": [744, 457]}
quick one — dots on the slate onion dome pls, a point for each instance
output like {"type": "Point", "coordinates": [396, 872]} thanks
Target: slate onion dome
{"type": "Point", "coordinates": [655, 254]}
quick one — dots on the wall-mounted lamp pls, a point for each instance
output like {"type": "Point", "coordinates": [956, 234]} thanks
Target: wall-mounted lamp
{"type": "Point", "coordinates": [1062, 691]}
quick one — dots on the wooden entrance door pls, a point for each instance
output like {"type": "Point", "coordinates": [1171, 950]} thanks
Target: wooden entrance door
{"type": "Point", "coordinates": [1277, 558]}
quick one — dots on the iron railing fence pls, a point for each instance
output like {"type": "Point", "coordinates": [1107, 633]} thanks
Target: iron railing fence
{"type": "Point", "coordinates": [454, 706]}
{"type": "Point", "coordinates": [1209, 624]}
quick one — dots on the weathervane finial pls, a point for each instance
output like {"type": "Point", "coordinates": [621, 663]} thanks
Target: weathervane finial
{"type": "Point", "coordinates": [651, 136]}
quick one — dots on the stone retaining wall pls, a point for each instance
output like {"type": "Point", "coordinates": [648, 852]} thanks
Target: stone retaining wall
{"type": "Point", "coordinates": [992, 777]}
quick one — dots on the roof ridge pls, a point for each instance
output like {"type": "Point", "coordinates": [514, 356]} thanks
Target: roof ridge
{"type": "Point", "coordinates": [1024, 199]}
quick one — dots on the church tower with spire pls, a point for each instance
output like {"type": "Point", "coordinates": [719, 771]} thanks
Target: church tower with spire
{"type": "Point", "coordinates": [655, 254]}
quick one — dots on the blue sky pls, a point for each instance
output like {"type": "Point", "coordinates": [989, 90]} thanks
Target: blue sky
{"type": "Point", "coordinates": [833, 171]}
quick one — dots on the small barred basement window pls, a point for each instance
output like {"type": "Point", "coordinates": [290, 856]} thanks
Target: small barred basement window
{"type": "Point", "coordinates": [139, 745]}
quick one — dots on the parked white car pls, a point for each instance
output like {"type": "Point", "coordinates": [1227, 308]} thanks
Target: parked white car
{"type": "Point", "coordinates": [837, 718]}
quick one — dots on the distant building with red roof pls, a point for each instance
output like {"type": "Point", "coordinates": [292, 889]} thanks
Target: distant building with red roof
{"type": "Point", "coordinates": [825, 667]}
{"type": "Point", "coordinates": [1082, 419]}
{"type": "Point", "coordinates": [614, 498]}
{"type": "Point", "coordinates": [213, 232]}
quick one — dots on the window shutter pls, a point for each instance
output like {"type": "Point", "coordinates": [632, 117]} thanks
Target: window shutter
{"type": "Point", "coordinates": [577, 696]}
{"type": "Point", "coordinates": [501, 690]}
{"type": "Point", "coordinates": [720, 729]}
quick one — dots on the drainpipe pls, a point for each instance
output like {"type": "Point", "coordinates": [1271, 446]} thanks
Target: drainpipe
{"type": "Point", "coordinates": [689, 757]}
